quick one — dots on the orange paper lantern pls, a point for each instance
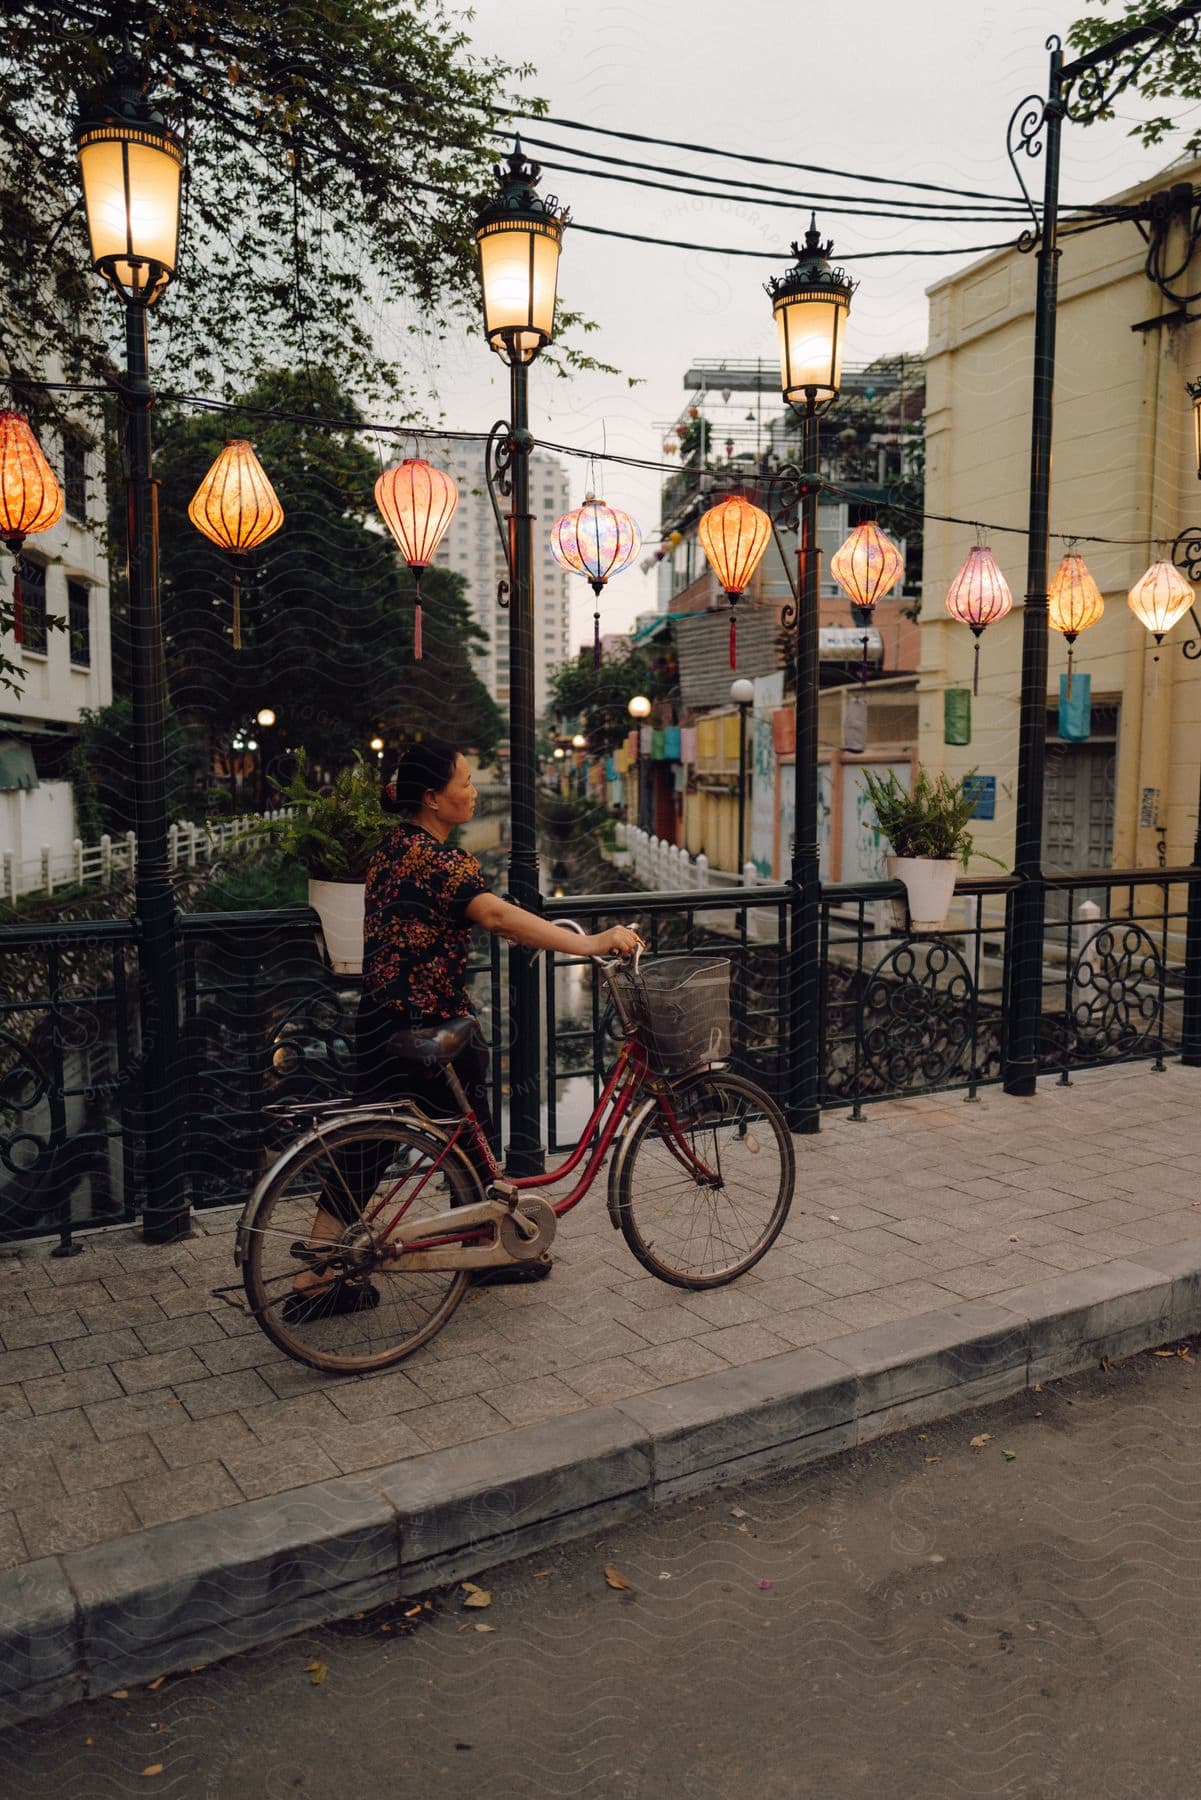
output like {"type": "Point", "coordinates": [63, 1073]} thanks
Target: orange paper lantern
{"type": "Point", "coordinates": [417, 502]}
{"type": "Point", "coordinates": [868, 565]}
{"type": "Point", "coordinates": [30, 498]}
{"type": "Point", "coordinates": [1073, 603]}
{"type": "Point", "coordinates": [237, 508]}
{"type": "Point", "coordinates": [978, 597]}
{"type": "Point", "coordinates": [734, 535]}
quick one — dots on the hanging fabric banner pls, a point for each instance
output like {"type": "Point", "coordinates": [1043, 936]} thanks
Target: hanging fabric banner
{"type": "Point", "coordinates": [1076, 713]}
{"type": "Point", "coordinates": [957, 716]}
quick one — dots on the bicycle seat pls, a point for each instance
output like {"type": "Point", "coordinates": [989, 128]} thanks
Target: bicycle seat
{"type": "Point", "coordinates": [433, 1044]}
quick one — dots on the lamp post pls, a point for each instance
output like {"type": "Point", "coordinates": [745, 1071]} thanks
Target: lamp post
{"type": "Point", "coordinates": [810, 305]}
{"type": "Point", "coordinates": [639, 709]}
{"type": "Point", "coordinates": [518, 235]}
{"type": "Point", "coordinates": [131, 163]}
{"type": "Point", "coordinates": [742, 693]}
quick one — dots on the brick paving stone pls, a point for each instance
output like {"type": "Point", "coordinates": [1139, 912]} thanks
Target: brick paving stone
{"type": "Point", "coordinates": [225, 1354]}
{"type": "Point", "coordinates": [981, 1278]}
{"type": "Point", "coordinates": [664, 1325]}
{"type": "Point", "coordinates": [600, 1383]}
{"type": "Point", "coordinates": [723, 1306]}
{"type": "Point", "coordinates": [356, 1447]}
{"type": "Point", "coordinates": [738, 1344]}
{"type": "Point", "coordinates": [182, 1493]}
{"type": "Point", "coordinates": [79, 1295]}
{"type": "Point", "coordinates": [376, 1397]}
{"type": "Point", "coordinates": [188, 1332]}
{"type": "Point", "coordinates": [184, 1443]}
{"type": "Point", "coordinates": [171, 1369]}
{"type": "Point", "coordinates": [26, 1365]}
{"type": "Point", "coordinates": [669, 1363]}
{"type": "Point", "coordinates": [126, 1286]}
{"type": "Point", "coordinates": [13, 1550]}
{"type": "Point", "coordinates": [121, 1312]}
{"type": "Point", "coordinates": [855, 1312]}
{"type": "Point", "coordinates": [108, 1465]}
{"type": "Point", "coordinates": [287, 1418]}
{"type": "Point", "coordinates": [918, 1297]}
{"type": "Point", "coordinates": [98, 1347]}
{"type": "Point", "coordinates": [134, 1413]}
{"type": "Point", "coordinates": [450, 1380]}
{"type": "Point", "coordinates": [14, 1305]}
{"type": "Point", "coordinates": [456, 1422]}
{"type": "Point", "coordinates": [93, 1265]}
{"type": "Point", "coordinates": [529, 1402]}
{"type": "Point", "coordinates": [51, 1393]}
{"type": "Point", "coordinates": [187, 1300]}
{"type": "Point", "coordinates": [845, 1278]}
{"type": "Point", "coordinates": [274, 1468]}
{"type": "Point", "coordinates": [29, 1476]}
{"type": "Point", "coordinates": [1165, 1228]}
{"type": "Point", "coordinates": [225, 1393]}
{"type": "Point", "coordinates": [41, 1328]}
{"type": "Point", "coordinates": [74, 1522]}
{"type": "Point", "coordinates": [52, 1431]}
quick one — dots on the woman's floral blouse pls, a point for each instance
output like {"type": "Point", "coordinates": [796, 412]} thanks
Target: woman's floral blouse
{"type": "Point", "coordinates": [417, 934]}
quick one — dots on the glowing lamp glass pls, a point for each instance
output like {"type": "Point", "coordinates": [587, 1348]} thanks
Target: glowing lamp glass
{"type": "Point", "coordinates": [519, 272]}
{"type": "Point", "coordinates": [639, 707]}
{"type": "Point", "coordinates": [868, 565]}
{"type": "Point", "coordinates": [131, 176]}
{"type": "Point", "coordinates": [811, 329]}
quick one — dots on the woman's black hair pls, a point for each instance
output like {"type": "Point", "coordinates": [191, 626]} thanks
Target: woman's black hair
{"type": "Point", "coordinates": [419, 769]}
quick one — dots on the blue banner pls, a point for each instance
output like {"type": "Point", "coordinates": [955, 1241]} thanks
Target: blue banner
{"type": "Point", "coordinates": [1076, 714]}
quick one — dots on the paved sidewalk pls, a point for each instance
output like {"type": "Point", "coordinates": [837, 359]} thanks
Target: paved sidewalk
{"type": "Point", "coordinates": [130, 1399]}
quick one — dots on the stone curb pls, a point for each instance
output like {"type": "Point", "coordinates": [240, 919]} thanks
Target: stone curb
{"type": "Point", "coordinates": [81, 1624]}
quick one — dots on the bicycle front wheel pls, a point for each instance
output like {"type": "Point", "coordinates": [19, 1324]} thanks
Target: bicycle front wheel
{"type": "Point", "coordinates": [701, 1201]}
{"type": "Point", "coordinates": [375, 1312]}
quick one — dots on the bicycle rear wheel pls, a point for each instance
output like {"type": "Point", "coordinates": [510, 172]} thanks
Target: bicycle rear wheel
{"type": "Point", "coordinates": [700, 1208]}
{"type": "Point", "coordinates": [352, 1169]}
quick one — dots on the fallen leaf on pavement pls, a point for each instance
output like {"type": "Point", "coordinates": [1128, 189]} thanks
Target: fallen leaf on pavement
{"type": "Point", "coordinates": [738, 1512]}
{"type": "Point", "coordinates": [978, 1443]}
{"type": "Point", "coordinates": [616, 1579]}
{"type": "Point", "coordinates": [120, 1694]}
{"type": "Point", "coordinates": [1105, 1364]}
{"type": "Point", "coordinates": [1038, 1387]}
{"type": "Point", "coordinates": [539, 1573]}
{"type": "Point", "coordinates": [153, 1769]}
{"type": "Point", "coordinates": [152, 1687]}
{"type": "Point", "coordinates": [476, 1596]}
{"type": "Point", "coordinates": [1009, 1455]}
{"type": "Point", "coordinates": [482, 1627]}
{"type": "Point", "coordinates": [932, 1459]}
{"type": "Point", "coordinates": [664, 1575]}
{"type": "Point", "coordinates": [316, 1672]}
{"type": "Point", "coordinates": [1163, 1353]}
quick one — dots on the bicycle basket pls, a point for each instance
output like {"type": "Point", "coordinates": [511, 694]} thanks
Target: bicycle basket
{"type": "Point", "coordinates": [681, 1006]}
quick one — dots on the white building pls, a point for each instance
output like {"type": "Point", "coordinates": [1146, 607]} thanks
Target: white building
{"type": "Point", "coordinates": [63, 574]}
{"type": "Point", "coordinates": [472, 548]}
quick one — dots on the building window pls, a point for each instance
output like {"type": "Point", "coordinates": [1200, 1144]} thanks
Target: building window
{"type": "Point", "coordinates": [79, 620]}
{"type": "Point", "coordinates": [75, 476]}
{"type": "Point", "coordinates": [31, 634]}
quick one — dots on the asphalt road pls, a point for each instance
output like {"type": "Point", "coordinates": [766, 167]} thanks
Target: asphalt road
{"type": "Point", "coordinates": [918, 1618]}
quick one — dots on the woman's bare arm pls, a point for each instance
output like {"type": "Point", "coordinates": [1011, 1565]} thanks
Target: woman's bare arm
{"type": "Point", "coordinates": [520, 927]}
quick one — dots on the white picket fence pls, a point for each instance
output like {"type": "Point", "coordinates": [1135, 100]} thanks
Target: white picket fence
{"type": "Point", "coordinates": [189, 846]}
{"type": "Point", "coordinates": [665, 868]}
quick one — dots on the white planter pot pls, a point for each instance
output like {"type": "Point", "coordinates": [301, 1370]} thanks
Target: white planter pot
{"type": "Point", "coordinates": [930, 885]}
{"type": "Point", "coordinates": [339, 905]}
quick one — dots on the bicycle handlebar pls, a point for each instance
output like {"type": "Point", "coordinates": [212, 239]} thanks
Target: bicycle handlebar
{"type": "Point", "coordinates": [602, 961]}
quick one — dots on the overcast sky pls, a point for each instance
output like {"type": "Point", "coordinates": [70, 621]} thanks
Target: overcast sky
{"type": "Point", "coordinates": [924, 91]}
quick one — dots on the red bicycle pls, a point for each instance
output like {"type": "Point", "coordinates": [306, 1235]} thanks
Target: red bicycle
{"type": "Point", "coordinates": [700, 1182]}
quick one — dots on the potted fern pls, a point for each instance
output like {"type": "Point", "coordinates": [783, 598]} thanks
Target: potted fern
{"type": "Point", "coordinates": [333, 833]}
{"type": "Point", "coordinates": [930, 841]}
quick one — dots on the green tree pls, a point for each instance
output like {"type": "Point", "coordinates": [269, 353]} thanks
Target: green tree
{"type": "Point", "coordinates": [106, 749]}
{"type": "Point", "coordinates": [601, 697]}
{"type": "Point", "coordinates": [327, 604]}
{"type": "Point", "coordinates": [335, 149]}
{"type": "Point", "coordinates": [1171, 72]}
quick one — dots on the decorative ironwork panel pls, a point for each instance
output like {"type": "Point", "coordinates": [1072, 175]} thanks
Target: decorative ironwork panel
{"type": "Point", "coordinates": [916, 1016]}
{"type": "Point", "coordinates": [1116, 995]}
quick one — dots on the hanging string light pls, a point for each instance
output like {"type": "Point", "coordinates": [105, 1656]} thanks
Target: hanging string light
{"type": "Point", "coordinates": [30, 498]}
{"type": "Point", "coordinates": [1073, 603]}
{"type": "Point", "coordinates": [595, 540]}
{"type": "Point", "coordinates": [237, 508]}
{"type": "Point", "coordinates": [866, 567]}
{"type": "Point", "coordinates": [417, 502]}
{"type": "Point", "coordinates": [978, 597]}
{"type": "Point", "coordinates": [734, 534]}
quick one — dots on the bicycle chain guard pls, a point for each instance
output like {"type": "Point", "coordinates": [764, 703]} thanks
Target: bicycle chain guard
{"type": "Point", "coordinates": [540, 1217]}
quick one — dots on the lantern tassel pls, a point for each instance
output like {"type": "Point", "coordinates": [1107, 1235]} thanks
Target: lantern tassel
{"type": "Point", "coordinates": [596, 641]}
{"type": "Point", "coordinates": [863, 664]}
{"type": "Point", "coordinates": [976, 668]}
{"type": "Point", "coordinates": [733, 639]}
{"type": "Point", "coordinates": [417, 632]}
{"type": "Point", "coordinates": [1071, 647]}
{"type": "Point", "coordinates": [237, 609]}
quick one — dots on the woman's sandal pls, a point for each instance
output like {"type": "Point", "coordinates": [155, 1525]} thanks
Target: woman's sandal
{"type": "Point", "coordinates": [305, 1306]}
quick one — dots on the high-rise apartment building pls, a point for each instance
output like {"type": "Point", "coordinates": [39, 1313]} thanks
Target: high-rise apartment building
{"type": "Point", "coordinates": [472, 548]}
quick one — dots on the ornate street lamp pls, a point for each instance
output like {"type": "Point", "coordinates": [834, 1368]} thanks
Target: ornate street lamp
{"type": "Point", "coordinates": [811, 304]}
{"type": "Point", "coordinates": [742, 693]}
{"type": "Point", "coordinates": [518, 235]}
{"type": "Point", "coordinates": [639, 709]}
{"type": "Point", "coordinates": [130, 164]}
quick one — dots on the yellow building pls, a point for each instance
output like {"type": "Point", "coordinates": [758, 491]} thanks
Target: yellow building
{"type": "Point", "coordinates": [1124, 467]}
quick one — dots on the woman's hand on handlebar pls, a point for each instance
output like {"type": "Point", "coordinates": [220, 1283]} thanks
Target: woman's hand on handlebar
{"type": "Point", "coordinates": [619, 940]}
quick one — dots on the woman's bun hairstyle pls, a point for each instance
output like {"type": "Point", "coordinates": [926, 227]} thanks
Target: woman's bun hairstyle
{"type": "Point", "coordinates": [419, 769]}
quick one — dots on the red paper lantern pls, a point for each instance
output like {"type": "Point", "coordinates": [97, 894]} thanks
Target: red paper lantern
{"type": "Point", "coordinates": [30, 498]}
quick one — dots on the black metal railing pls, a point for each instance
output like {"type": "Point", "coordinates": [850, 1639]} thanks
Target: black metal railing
{"type": "Point", "coordinates": [264, 1019]}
